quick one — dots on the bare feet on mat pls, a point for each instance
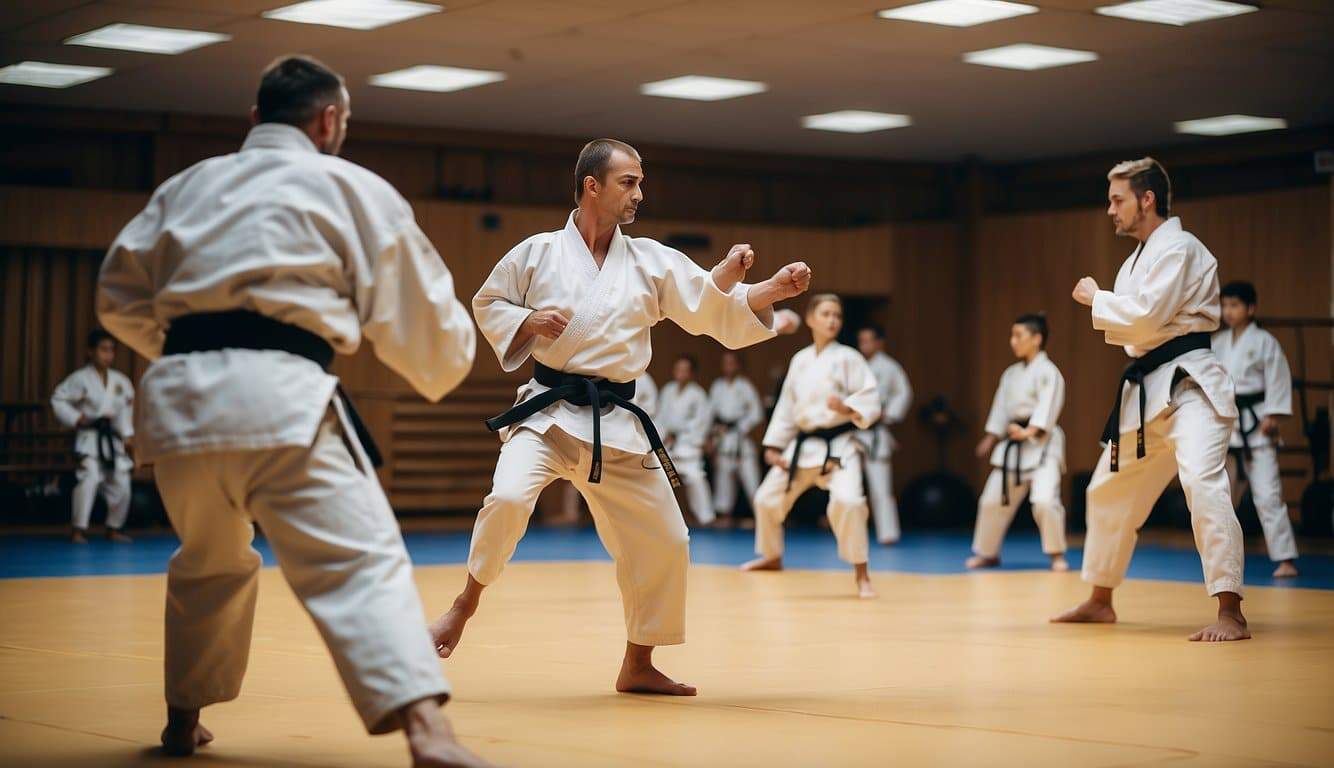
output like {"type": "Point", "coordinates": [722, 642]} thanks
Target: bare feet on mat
{"type": "Point", "coordinates": [1059, 564]}
{"type": "Point", "coordinates": [638, 675]}
{"type": "Point", "coordinates": [1095, 610]}
{"type": "Point", "coordinates": [184, 734]}
{"type": "Point", "coordinates": [78, 536]}
{"type": "Point", "coordinates": [977, 561]}
{"type": "Point", "coordinates": [431, 739]}
{"type": "Point", "coordinates": [864, 589]}
{"type": "Point", "coordinates": [114, 534]}
{"type": "Point", "coordinates": [447, 631]}
{"type": "Point", "coordinates": [1231, 625]}
{"type": "Point", "coordinates": [1286, 570]}
{"type": "Point", "coordinates": [763, 564]}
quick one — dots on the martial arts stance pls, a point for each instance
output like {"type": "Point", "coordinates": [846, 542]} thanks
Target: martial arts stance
{"type": "Point", "coordinates": [580, 301]}
{"type": "Point", "coordinates": [829, 393]}
{"type": "Point", "coordinates": [895, 397]}
{"type": "Point", "coordinates": [97, 401]}
{"type": "Point", "coordinates": [683, 419]}
{"type": "Point", "coordinates": [242, 278]}
{"type": "Point", "coordinates": [1260, 373]}
{"type": "Point", "coordinates": [646, 397]}
{"type": "Point", "coordinates": [1174, 403]}
{"type": "Point", "coordinates": [1026, 448]}
{"type": "Point", "coordinates": [736, 411]}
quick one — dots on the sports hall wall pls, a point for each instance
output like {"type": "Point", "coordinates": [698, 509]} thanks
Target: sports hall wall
{"type": "Point", "coordinates": [934, 251]}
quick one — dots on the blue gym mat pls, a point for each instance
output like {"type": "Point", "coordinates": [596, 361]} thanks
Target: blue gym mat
{"type": "Point", "coordinates": [933, 552]}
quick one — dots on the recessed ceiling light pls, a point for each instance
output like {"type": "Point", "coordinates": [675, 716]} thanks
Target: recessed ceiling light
{"type": "Point", "coordinates": [855, 121]}
{"type": "Point", "coordinates": [1028, 56]}
{"type": "Point", "coordinates": [136, 37]}
{"type": "Point", "coordinates": [1176, 12]}
{"type": "Point", "coordinates": [1225, 125]}
{"type": "Point", "coordinates": [45, 75]}
{"type": "Point", "coordinates": [958, 13]}
{"type": "Point", "coordinates": [429, 77]}
{"type": "Point", "coordinates": [352, 14]}
{"type": "Point", "coordinates": [702, 88]}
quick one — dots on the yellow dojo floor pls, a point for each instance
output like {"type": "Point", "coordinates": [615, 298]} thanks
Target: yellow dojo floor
{"type": "Point", "coordinates": [947, 670]}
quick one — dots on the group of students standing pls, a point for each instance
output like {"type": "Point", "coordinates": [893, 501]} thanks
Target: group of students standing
{"type": "Point", "coordinates": [246, 425]}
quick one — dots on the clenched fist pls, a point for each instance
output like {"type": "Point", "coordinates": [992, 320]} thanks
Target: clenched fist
{"type": "Point", "coordinates": [1085, 290]}
{"type": "Point", "coordinates": [792, 280]}
{"type": "Point", "coordinates": [547, 323]}
{"type": "Point", "coordinates": [732, 269]}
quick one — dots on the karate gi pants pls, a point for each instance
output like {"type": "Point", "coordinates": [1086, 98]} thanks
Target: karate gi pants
{"type": "Point", "coordinates": [114, 486]}
{"type": "Point", "coordinates": [634, 510]}
{"type": "Point", "coordinates": [1267, 492]}
{"type": "Point", "coordinates": [690, 468]}
{"type": "Point", "coordinates": [1042, 486]}
{"type": "Point", "coordinates": [1189, 440]}
{"type": "Point", "coordinates": [884, 508]}
{"type": "Point", "coordinates": [339, 547]}
{"type": "Point", "coordinates": [847, 508]}
{"type": "Point", "coordinates": [727, 470]}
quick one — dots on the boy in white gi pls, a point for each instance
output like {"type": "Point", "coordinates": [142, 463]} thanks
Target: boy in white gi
{"type": "Point", "coordinates": [1026, 448]}
{"type": "Point", "coordinates": [828, 394]}
{"type": "Point", "coordinates": [683, 419]}
{"type": "Point", "coordinates": [580, 301]}
{"type": "Point", "coordinates": [242, 278]}
{"type": "Point", "coordinates": [1259, 370]}
{"type": "Point", "coordinates": [895, 396]}
{"type": "Point", "coordinates": [1174, 404]}
{"type": "Point", "coordinates": [736, 411]}
{"type": "Point", "coordinates": [97, 401]}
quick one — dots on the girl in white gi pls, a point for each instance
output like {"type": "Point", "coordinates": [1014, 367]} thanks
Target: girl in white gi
{"type": "Point", "coordinates": [736, 411]}
{"type": "Point", "coordinates": [580, 301]}
{"type": "Point", "coordinates": [895, 396]}
{"type": "Point", "coordinates": [1026, 448]}
{"type": "Point", "coordinates": [1264, 396]}
{"type": "Point", "coordinates": [1174, 402]}
{"type": "Point", "coordinates": [98, 401]}
{"type": "Point", "coordinates": [240, 281]}
{"type": "Point", "coordinates": [828, 394]}
{"type": "Point", "coordinates": [683, 418]}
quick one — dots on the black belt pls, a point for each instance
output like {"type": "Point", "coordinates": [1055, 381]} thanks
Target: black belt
{"type": "Point", "coordinates": [730, 426]}
{"type": "Point", "coordinates": [587, 391]}
{"type": "Point", "coordinates": [1018, 447]}
{"type": "Point", "coordinates": [106, 441]}
{"type": "Point", "coordinates": [1134, 374]}
{"type": "Point", "coordinates": [1246, 404]}
{"type": "Point", "coordinates": [827, 435]}
{"type": "Point", "coordinates": [241, 329]}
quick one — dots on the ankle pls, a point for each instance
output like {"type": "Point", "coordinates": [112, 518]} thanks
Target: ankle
{"type": "Point", "coordinates": [422, 720]}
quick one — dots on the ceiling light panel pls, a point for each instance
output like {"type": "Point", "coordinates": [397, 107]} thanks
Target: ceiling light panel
{"type": "Point", "coordinates": [1027, 56]}
{"type": "Point", "coordinates": [46, 75]}
{"type": "Point", "coordinates": [702, 88]}
{"type": "Point", "coordinates": [145, 39]}
{"type": "Point", "coordinates": [352, 14]}
{"type": "Point", "coordinates": [1176, 12]}
{"type": "Point", "coordinates": [958, 13]}
{"type": "Point", "coordinates": [429, 77]}
{"type": "Point", "coordinates": [855, 121]}
{"type": "Point", "coordinates": [1226, 125]}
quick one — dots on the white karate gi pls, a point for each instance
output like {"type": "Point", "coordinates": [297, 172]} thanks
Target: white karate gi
{"type": "Point", "coordinates": [684, 414]}
{"type": "Point", "coordinates": [802, 407]}
{"type": "Point", "coordinates": [895, 396]}
{"type": "Point", "coordinates": [735, 401]}
{"type": "Point", "coordinates": [611, 310]}
{"type": "Point", "coordinates": [249, 435]}
{"type": "Point", "coordinates": [646, 397]}
{"type": "Point", "coordinates": [1168, 288]}
{"type": "Point", "coordinates": [1257, 364]}
{"type": "Point", "coordinates": [82, 393]}
{"type": "Point", "coordinates": [1033, 393]}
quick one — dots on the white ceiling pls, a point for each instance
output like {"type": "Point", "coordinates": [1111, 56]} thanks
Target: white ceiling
{"type": "Point", "coordinates": [575, 66]}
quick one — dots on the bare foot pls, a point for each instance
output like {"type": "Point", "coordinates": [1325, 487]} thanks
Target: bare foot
{"type": "Point", "coordinates": [977, 561]}
{"type": "Point", "coordinates": [888, 542]}
{"type": "Point", "coordinates": [764, 564]}
{"type": "Point", "coordinates": [78, 537]}
{"type": "Point", "coordinates": [1286, 570]}
{"type": "Point", "coordinates": [865, 591]}
{"type": "Point", "coordinates": [431, 739]}
{"type": "Point", "coordinates": [447, 631]}
{"type": "Point", "coordinates": [746, 524]}
{"type": "Point", "coordinates": [184, 733]}
{"type": "Point", "coordinates": [1059, 564]}
{"type": "Point", "coordinates": [1088, 612]}
{"type": "Point", "coordinates": [1226, 628]}
{"type": "Point", "coordinates": [114, 534]}
{"type": "Point", "coordinates": [638, 675]}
